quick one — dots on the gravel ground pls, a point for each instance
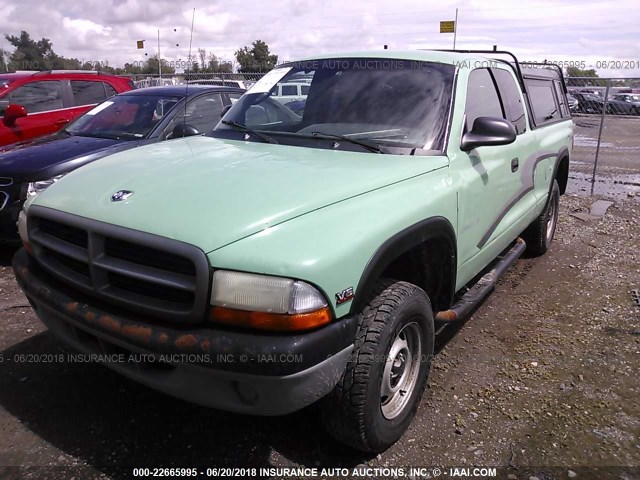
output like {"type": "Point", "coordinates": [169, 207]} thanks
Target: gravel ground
{"type": "Point", "coordinates": [541, 382]}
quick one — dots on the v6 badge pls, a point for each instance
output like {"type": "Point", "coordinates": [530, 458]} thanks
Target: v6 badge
{"type": "Point", "coordinates": [344, 296]}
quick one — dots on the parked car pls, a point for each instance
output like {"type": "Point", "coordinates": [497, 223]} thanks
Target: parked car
{"type": "Point", "coordinates": [156, 82]}
{"type": "Point", "coordinates": [589, 103]}
{"type": "Point", "coordinates": [286, 93]}
{"type": "Point", "coordinates": [624, 104]}
{"type": "Point", "coordinates": [244, 84]}
{"type": "Point", "coordinates": [33, 104]}
{"type": "Point", "coordinates": [129, 120]}
{"type": "Point", "coordinates": [573, 103]}
{"type": "Point", "coordinates": [282, 260]}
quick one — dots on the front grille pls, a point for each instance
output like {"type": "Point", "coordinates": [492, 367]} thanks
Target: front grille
{"type": "Point", "coordinates": [4, 198]}
{"type": "Point", "coordinates": [144, 273]}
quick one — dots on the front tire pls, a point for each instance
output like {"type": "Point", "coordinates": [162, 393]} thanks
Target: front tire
{"type": "Point", "coordinates": [539, 234]}
{"type": "Point", "coordinates": [375, 401]}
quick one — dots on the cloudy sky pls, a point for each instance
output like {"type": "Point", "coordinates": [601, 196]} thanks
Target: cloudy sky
{"type": "Point", "coordinates": [107, 30]}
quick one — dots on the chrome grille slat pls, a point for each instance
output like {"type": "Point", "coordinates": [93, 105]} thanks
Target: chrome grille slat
{"type": "Point", "coordinates": [148, 274]}
{"type": "Point", "coordinates": [4, 198]}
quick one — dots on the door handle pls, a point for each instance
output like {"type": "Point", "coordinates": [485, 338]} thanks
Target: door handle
{"type": "Point", "coordinates": [62, 121]}
{"type": "Point", "coordinates": [514, 164]}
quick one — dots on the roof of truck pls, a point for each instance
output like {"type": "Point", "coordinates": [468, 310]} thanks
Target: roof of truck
{"type": "Point", "coordinates": [453, 58]}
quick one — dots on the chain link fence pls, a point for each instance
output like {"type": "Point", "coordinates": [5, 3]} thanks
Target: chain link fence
{"type": "Point", "coordinates": [606, 113]}
{"type": "Point", "coordinates": [606, 153]}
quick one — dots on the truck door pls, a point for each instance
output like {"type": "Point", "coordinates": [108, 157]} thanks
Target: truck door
{"type": "Point", "coordinates": [493, 205]}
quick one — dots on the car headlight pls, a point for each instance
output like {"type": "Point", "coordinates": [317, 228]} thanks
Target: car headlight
{"type": "Point", "coordinates": [35, 188]}
{"type": "Point", "coordinates": [266, 302]}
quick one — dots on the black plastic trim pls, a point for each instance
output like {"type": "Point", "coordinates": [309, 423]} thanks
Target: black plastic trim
{"type": "Point", "coordinates": [400, 243]}
{"type": "Point", "coordinates": [95, 257]}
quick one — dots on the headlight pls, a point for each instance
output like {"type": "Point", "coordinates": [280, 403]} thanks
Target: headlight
{"type": "Point", "coordinates": [266, 302]}
{"type": "Point", "coordinates": [35, 188]}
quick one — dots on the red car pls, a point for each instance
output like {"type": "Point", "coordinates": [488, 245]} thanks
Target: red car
{"type": "Point", "coordinates": [33, 104]}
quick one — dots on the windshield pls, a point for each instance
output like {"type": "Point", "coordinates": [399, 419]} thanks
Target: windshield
{"type": "Point", "coordinates": [3, 83]}
{"type": "Point", "coordinates": [123, 117]}
{"type": "Point", "coordinates": [383, 102]}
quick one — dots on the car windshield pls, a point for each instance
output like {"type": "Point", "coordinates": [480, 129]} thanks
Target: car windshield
{"type": "Point", "coordinates": [4, 82]}
{"type": "Point", "coordinates": [392, 105]}
{"type": "Point", "coordinates": [123, 117]}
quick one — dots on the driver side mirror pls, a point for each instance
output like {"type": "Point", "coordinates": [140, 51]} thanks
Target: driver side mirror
{"type": "Point", "coordinates": [12, 113]}
{"type": "Point", "coordinates": [488, 131]}
{"type": "Point", "coordinates": [183, 130]}
{"type": "Point", "coordinates": [225, 110]}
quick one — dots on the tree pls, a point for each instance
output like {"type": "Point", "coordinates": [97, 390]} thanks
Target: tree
{"type": "Point", "coordinates": [29, 54]}
{"type": "Point", "coordinates": [257, 58]}
{"type": "Point", "coordinates": [4, 60]}
{"type": "Point", "coordinates": [583, 82]}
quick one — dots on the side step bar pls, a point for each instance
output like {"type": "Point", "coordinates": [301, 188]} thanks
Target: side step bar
{"type": "Point", "coordinates": [483, 287]}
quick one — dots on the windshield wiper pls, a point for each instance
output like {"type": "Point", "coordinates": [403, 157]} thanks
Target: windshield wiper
{"type": "Point", "coordinates": [368, 146]}
{"type": "Point", "coordinates": [249, 131]}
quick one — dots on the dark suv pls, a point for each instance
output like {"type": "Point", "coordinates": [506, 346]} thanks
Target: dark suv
{"type": "Point", "coordinates": [33, 104]}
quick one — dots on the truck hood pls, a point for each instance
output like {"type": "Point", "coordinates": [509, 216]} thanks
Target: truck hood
{"type": "Point", "coordinates": [210, 192]}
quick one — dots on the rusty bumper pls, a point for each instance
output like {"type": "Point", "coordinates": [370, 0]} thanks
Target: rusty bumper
{"type": "Point", "coordinates": [233, 370]}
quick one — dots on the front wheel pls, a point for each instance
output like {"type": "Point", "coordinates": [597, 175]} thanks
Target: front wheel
{"type": "Point", "coordinates": [539, 234]}
{"type": "Point", "coordinates": [380, 390]}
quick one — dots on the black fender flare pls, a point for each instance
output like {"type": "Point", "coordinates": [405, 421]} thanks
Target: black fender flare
{"type": "Point", "coordinates": [562, 153]}
{"type": "Point", "coordinates": [400, 243]}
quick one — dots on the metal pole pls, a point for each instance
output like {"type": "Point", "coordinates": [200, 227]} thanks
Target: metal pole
{"type": "Point", "coordinates": [455, 30]}
{"type": "Point", "coordinates": [159, 61]}
{"type": "Point", "coordinates": [604, 110]}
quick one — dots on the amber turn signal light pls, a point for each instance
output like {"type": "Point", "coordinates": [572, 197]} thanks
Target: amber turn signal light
{"type": "Point", "coordinates": [271, 321]}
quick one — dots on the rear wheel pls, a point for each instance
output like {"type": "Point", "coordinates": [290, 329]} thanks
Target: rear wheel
{"type": "Point", "coordinates": [380, 390]}
{"type": "Point", "coordinates": [539, 234]}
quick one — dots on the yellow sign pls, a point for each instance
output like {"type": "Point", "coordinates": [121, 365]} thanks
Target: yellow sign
{"type": "Point", "coordinates": [448, 26]}
{"type": "Point", "coordinates": [140, 44]}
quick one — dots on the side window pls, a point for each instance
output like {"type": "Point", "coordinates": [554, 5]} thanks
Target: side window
{"type": "Point", "coordinates": [38, 96]}
{"type": "Point", "coordinates": [289, 90]}
{"type": "Point", "coordinates": [304, 89]}
{"type": "Point", "coordinates": [110, 90]}
{"type": "Point", "coordinates": [543, 101]}
{"type": "Point", "coordinates": [203, 113]}
{"type": "Point", "coordinates": [234, 97]}
{"type": "Point", "coordinates": [87, 92]}
{"type": "Point", "coordinates": [511, 98]}
{"type": "Point", "coordinates": [482, 97]}
{"type": "Point", "coordinates": [564, 109]}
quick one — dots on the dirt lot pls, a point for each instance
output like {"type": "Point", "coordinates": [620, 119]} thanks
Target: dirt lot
{"type": "Point", "coordinates": [543, 375]}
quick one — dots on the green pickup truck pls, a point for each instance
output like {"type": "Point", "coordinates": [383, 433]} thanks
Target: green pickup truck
{"type": "Point", "coordinates": [288, 258]}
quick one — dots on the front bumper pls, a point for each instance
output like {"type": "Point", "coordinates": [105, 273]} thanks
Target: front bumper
{"type": "Point", "coordinates": [240, 371]}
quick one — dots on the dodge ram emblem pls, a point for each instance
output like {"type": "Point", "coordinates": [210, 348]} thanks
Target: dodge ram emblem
{"type": "Point", "coordinates": [121, 195]}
